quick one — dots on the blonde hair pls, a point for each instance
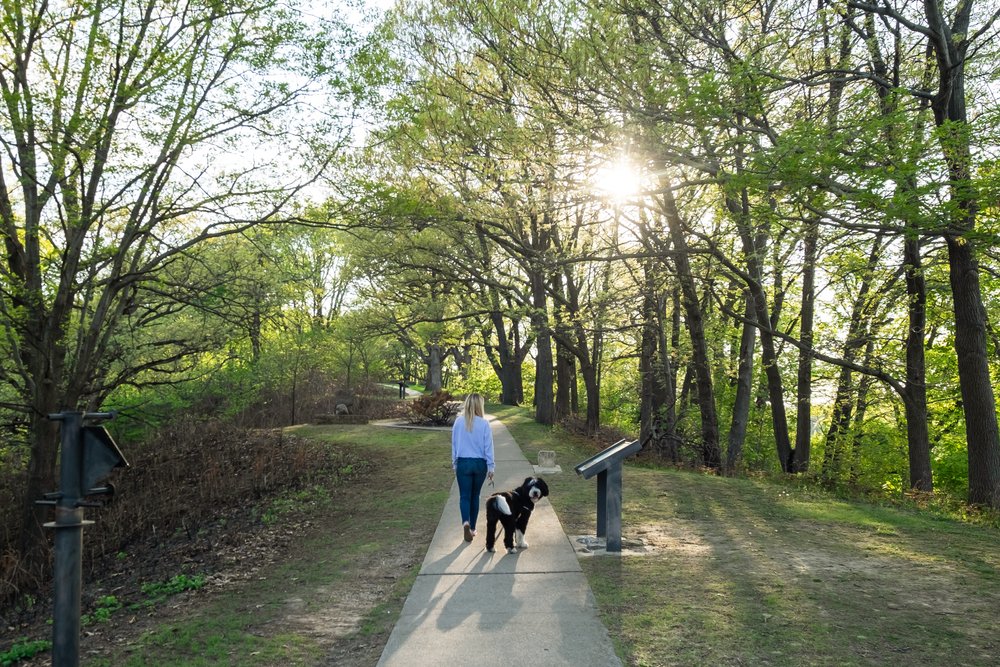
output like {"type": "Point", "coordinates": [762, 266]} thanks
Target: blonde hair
{"type": "Point", "coordinates": [474, 405]}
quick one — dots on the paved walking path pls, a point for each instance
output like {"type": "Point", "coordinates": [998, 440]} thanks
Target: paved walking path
{"type": "Point", "coordinates": [470, 607]}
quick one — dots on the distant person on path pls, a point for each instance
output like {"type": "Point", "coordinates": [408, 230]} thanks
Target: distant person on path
{"type": "Point", "coordinates": [472, 459]}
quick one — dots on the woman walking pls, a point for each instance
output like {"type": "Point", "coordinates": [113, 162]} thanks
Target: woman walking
{"type": "Point", "coordinates": [472, 459]}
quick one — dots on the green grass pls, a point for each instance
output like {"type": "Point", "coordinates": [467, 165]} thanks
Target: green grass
{"type": "Point", "coordinates": [177, 584]}
{"type": "Point", "coordinates": [739, 572]}
{"type": "Point", "coordinates": [315, 496]}
{"type": "Point", "coordinates": [359, 525]}
{"type": "Point", "coordinates": [761, 572]}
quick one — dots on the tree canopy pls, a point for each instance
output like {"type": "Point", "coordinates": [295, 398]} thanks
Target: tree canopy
{"type": "Point", "coordinates": [761, 236]}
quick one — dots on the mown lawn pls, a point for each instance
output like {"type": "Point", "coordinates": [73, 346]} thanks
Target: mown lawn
{"type": "Point", "coordinates": [736, 572]}
{"type": "Point", "coordinates": [751, 572]}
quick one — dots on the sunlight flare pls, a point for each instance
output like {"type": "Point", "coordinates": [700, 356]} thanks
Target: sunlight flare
{"type": "Point", "coordinates": [618, 181]}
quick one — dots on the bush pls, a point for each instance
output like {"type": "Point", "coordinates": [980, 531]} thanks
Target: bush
{"type": "Point", "coordinates": [189, 474]}
{"type": "Point", "coordinates": [193, 470]}
{"type": "Point", "coordinates": [437, 409]}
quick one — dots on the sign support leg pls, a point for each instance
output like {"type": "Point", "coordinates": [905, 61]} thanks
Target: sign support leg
{"type": "Point", "coordinates": [614, 508]}
{"type": "Point", "coordinates": [602, 504]}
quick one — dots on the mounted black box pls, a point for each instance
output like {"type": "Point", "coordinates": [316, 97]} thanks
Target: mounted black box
{"type": "Point", "coordinates": [100, 456]}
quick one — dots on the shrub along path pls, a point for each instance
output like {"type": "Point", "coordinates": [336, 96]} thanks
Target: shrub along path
{"type": "Point", "coordinates": [740, 572]}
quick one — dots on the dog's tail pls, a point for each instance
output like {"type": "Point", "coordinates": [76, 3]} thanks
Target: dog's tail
{"type": "Point", "coordinates": [502, 506]}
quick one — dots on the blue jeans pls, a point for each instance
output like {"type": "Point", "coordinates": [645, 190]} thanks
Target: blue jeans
{"type": "Point", "coordinates": [471, 474]}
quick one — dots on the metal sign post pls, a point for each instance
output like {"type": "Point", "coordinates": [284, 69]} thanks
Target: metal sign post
{"type": "Point", "coordinates": [68, 566]}
{"type": "Point", "coordinates": [87, 455]}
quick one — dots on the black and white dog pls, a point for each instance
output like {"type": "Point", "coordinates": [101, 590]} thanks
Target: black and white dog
{"type": "Point", "coordinates": [513, 509]}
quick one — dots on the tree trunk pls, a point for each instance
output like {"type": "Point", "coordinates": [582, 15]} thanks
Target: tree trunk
{"type": "Point", "coordinates": [647, 369]}
{"type": "Point", "coordinates": [293, 399]}
{"type": "Point", "coordinates": [857, 337]}
{"type": "Point", "coordinates": [504, 360]}
{"type": "Point", "coordinates": [565, 405]}
{"type": "Point", "coordinates": [744, 388]}
{"type": "Point", "coordinates": [974, 375]}
{"type": "Point", "coordinates": [803, 421]}
{"type": "Point", "coordinates": [588, 372]}
{"type": "Point", "coordinates": [565, 381]}
{"type": "Point", "coordinates": [45, 358]}
{"type": "Point", "coordinates": [752, 250]}
{"type": "Point", "coordinates": [860, 408]}
{"type": "Point", "coordinates": [950, 46]}
{"type": "Point", "coordinates": [711, 455]}
{"type": "Point", "coordinates": [658, 408]}
{"type": "Point", "coordinates": [914, 392]}
{"type": "Point", "coordinates": [522, 349]}
{"type": "Point", "coordinates": [41, 480]}
{"type": "Point", "coordinates": [544, 395]}
{"type": "Point", "coordinates": [463, 359]}
{"type": "Point", "coordinates": [839, 422]}
{"type": "Point", "coordinates": [434, 367]}
{"type": "Point", "coordinates": [510, 382]}
{"type": "Point", "coordinates": [590, 384]}
{"type": "Point", "coordinates": [665, 398]}
{"type": "Point", "coordinates": [915, 396]}
{"type": "Point", "coordinates": [255, 336]}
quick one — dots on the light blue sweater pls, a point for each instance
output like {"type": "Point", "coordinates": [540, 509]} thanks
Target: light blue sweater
{"type": "Point", "coordinates": [474, 444]}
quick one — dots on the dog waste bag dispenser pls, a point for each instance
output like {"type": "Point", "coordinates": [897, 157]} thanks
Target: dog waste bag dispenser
{"type": "Point", "coordinates": [100, 456]}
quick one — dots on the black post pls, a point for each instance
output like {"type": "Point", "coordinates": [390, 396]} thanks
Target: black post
{"type": "Point", "coordinates": [68, 545]}
{"type": "Point", "coordinates": [602, 503]}
{"type": "Point", "coordinates": [613, 498]}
